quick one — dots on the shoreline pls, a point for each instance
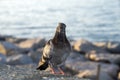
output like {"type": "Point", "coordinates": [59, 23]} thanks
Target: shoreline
{"type": "Point", "coordinates": [86, 56]}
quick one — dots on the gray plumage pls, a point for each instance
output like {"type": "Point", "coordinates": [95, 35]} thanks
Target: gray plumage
{"type": "Point", "coordinates": [56, 50]}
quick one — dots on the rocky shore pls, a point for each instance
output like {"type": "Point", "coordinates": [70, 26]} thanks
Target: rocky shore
{"type": "Point", "coordinates": [88, 60]}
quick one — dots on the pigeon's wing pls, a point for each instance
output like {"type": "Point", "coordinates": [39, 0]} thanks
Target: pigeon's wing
{"type": "Point", "coordinates": [47, 52]}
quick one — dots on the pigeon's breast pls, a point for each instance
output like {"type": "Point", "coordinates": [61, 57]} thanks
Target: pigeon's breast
{"type": "Point", "coordinates": [59, 55]}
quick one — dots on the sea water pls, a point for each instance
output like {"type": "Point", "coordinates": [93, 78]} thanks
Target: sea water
{"type": "Point", "coordinates": [95, 20]}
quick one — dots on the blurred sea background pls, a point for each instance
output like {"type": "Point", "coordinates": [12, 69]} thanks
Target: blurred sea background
{"type": "Point", "coordinates": [94, 20]}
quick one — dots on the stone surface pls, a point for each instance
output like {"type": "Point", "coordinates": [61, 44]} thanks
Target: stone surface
{"type": "Point", "coordinates": [2, 59]}
{"type": "Point", "coordinates": [19, 59]}
{"type": "Point", "coordinates": [28, 72]}
{"type": "Point", "coordinates": [86, 46]}
{"type": "Point", "coordinates": [16, 40]}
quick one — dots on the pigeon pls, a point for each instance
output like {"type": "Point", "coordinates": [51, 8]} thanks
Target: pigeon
{"type": "Point", "coordinates": [55, 51]}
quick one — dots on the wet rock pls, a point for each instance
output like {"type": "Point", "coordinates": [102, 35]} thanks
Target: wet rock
{"type": "Point", "coordinates": [2, 59]}
{"type": "Point", "coordinates": [19, 60]}
{"type": "Point", "coordinates": [35, 55]}
{"type": "Point", "coordinates": [32, 43]}
{"type": "Point", "coordinates": [86, 46]}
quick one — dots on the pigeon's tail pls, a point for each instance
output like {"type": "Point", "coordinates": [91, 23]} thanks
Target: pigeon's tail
{"type": "Point", "coordinates": [43, 64]}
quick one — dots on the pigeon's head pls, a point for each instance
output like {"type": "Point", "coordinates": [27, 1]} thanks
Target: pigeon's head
{"type": "Point", "coordinates": [61, 28]}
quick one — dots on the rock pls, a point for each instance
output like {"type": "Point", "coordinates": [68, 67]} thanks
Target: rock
{"type": "Point", "coordinates": [105, 76]}
{"type": "Point", "coordinates": [5, 37]}
{"type": "Point", "coordinates": [76, 56]}
{"type": "Point", "coordinates": [19, 59]}
{"type": "Point", "coordinates": [117, 61]}
{"type": "Point", "coordinates": [9, 45]}
{"type": "Point", "coordinates": [113, 71]}
{"type": "Point", "coordinates": [88, 69]}
{"type": "Point", "coordinates": [113, 47]}
{"type": "Point", "coordinates": [8, 49]}
{"type": "Point", "coordinates": [35, 55]}
{"type": "Point", "coordinates": [2, 49]}
{"type": "Point", "coordinates": [32, 43]}
{"type": "Point", "coordinates": [2, 59]}
{"type": "Point", "coordinates": [102, 57]}
{"type": "Point", "coordinates": [16, 40]}
{"type": "Point", "coordinates": [86, 46]}
{"type": "Point", "coordinates": [100, 44]}
{"type": "Point", "coordinates": [11, 39]}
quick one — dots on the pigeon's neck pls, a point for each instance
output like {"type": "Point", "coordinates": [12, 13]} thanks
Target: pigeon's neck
{"type": "Point", "coordinates": [59, 37]}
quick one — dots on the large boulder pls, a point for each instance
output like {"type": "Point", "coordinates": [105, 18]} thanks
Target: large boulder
{"type": "Point", "coordinates": [19, 59]}
{"type": "Point", "coordinates": [86, 46]}
{"type": "Point", "coordinates": [2, 59]}
{"type": "Point", "coordinates": [32, 43]}
{"type": "Point", "coordinates": [88, 69]}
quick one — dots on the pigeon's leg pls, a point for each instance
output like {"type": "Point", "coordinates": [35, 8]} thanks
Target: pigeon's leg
{"type": "Point", "coordinates": [55, 69]}
{"type": "Point", "coordinates": [61, 71]}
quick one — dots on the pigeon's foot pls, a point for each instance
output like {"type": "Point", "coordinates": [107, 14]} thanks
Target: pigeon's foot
{"type": "Point", "coordinates": [57, 71]}
{"type": "Point", "coordinates": [61, 71]}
